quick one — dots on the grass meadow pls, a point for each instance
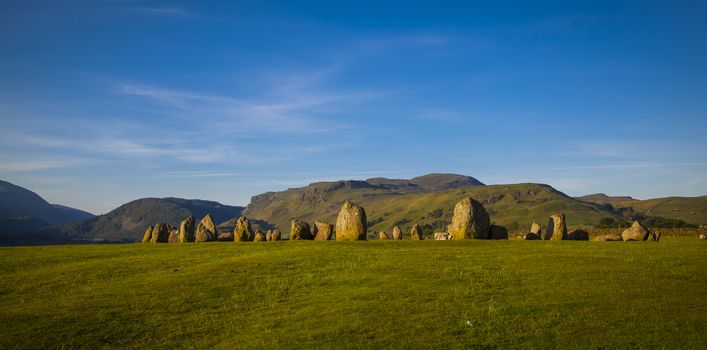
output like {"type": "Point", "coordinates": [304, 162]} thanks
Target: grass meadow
{"type": "Point", "coordinates": [375, 294]}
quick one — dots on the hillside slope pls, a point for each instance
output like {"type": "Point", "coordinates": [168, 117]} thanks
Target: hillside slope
{"type": "Point", "coordinates": [128, 222]}
{"type": "Point", "coordinates": [20, 203]}
{"type": "Point", "coordinates": [689, 209]}
{"type": "Point", "coordinates": [515, 206]}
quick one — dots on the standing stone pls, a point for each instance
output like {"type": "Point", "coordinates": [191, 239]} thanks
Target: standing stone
{"type": "Point", "coordinates": [397, 234]}
{"type": "Point", "coordinates": [243, 231]}
{"type": "Point", "coordinates": [174, 236]}
{"type": "Point", "coordinates": [351, 223]}
{"type": "Point", "coordinates": [300, 230]}
{"type": "Point", "coordinates": [536, 229]}
{"type": "Point", "coordinates": [637, 232]}
{"type": "Point", "coordinates": [274, 235]}
{"type": "Point", "coordinates": [470, 221]}
{"type": "Point", "coordinates": [206, 230]}
{"type": "Point", "coordinates": [383, 236]}
{"type": "Point", "coordinates": [702, 236]}
{"type": "Point", "coordinates": [556, 228]}
{"type": "Point", "coordinates": [578, 235]}
{"type": "Point", "coordinates": [322, 231]}
{"type": "Point", "coordinates": [160, 234]}
{"type": "Point", "coordinates": [259, 236]}
{"type": "Point", "coordinates": [186, 230]}
{"type": "Point", "coordinates": [498, 232]}
{"type": "Point", "coordinates": [148, 234]}
{"type": "Point", "coordinates": [416, 233]}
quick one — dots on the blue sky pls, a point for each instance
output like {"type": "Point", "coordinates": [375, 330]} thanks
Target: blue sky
{"type": "Point", "coordinates": [103, 102]}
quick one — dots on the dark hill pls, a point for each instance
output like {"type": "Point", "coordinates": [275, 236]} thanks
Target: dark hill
{"type": "Point", "coordinates": [128, 222]}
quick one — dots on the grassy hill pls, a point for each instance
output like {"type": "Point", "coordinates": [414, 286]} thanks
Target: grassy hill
{"type": "Point", "coordinates": [515, 206]}
{"type": "Point", "coordinates": [689, 209]}
{"type": "Point", "coordinates": [128, 222]}
{"type": "Point", "coordinates": [376, 294]}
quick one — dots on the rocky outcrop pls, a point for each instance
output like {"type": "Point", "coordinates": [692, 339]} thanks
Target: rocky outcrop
{"type": "Point", "coordinates": [383, 236]}
{"type": "Point", "coordinates": [498, 232]}
{"type": "Point", "coordinates": [532, 237]}
{"type": "Point", "coordinates": [206, 230]}
{"type": "Point", "coordinates": [637, 232]}
{"type": "Point", "coordinates": [416, 233]}
{"type": "Point", "coordinates": [300, 230]}
{"type": "Point", "coordinates": [273, 235]}
{"type": "Point", "coordinates": [556, 228]}
{"type": "Point", "coordinates": [470, 221]}
{"type": "Point", "coordinates": [351, 223]}
{"type": "Point", "coordinates": [243, 231]}
{"type": "Point", "coordinates": [259, 236]}
{"type": "Point", "coordinates": [322, 231]}
{"type": "Point", "coordinates": [186, 230]}
{"type": "Point", "coordinates": [146, 237]}
{"type": "Point", "coordinates": [578, 235]}
{"type": "Point", "coordinates": [397, 234]}
{"type": "Point", "coordinates": [610, 237]}
{"type": "Point", "coordinates": [536, 229]}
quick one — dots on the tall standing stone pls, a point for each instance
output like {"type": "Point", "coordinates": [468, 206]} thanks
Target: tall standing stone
{"type": "Point", "coordinates": [556, 228]}
{"type": "Point", "coordinates": [300, 230]}
{"type": "Point", "coordinates": [243, 231]}
{"type": "Point", "coordinates": [351, 223]}
{"type": "Point", "coordinates": [397, 234]}
{"type": "Point", "coordinates": [416, 233]}
{"type": "Point", "coordinates": [160, 234]}
{"type": "Point", "coordinates": [147, 235]}
{"type": "Point", "coordinates": [322, 231]}
{"type": "Point", "coordinates": [174, 235]}
{"type": "Point", "coordinates": [470, 221]}
{"type": "Point", "coordinates": [206, 230]}
{"type": "Point", "coordinates": [186, 230]}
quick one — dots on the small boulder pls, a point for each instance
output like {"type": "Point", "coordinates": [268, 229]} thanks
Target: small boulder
{"type": "Point", "coordinates": [300, 230]}
{"type": "Point", "coordinates": [225, 236]}
{"type": "Point", "coordinates": [441, 236]}
{"type": "Point", "coordinates": [612, 237]}
{"type": "Point", "coordinates": [578, 235]}
{"type": "Point", "coordinates": [498, 232]}
{"type": "Point", "coordinates": [186, 230]}
{"type": "Point", "coordinates": [702, 236]}
{"type": "Point", "coordinates": [322, 231]}
{"type": "Point", "coordinates": [259, 236]}
{"type": "Point", "coordinates": [243, 231]}
{"type": "Point", "coordinates": [383, 236]}
{"type": "Point", "coordinates": [206, 230]}
{"type": "Point", "coordinates": [556, 228]}
{"type": "Point", "coordinates": [146, 237]}
{"type": "Point", "coordinates": [470, 221]}
{"type": "Point", "coordinates": [654, 235]}
{"type": "Point", "coordinates": [636, 232]}
{"type": "Point", "coordinates": [351, 223]}
{"type": "Point", "coordinates": [416, 233]}
{"type": "Point", "coordinates": [397, 234]}
{"type": "Point", "coordinates": [532, 237]}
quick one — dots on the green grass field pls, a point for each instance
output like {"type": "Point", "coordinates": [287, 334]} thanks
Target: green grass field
{"type": "Point", "coordinates": [376, 294]}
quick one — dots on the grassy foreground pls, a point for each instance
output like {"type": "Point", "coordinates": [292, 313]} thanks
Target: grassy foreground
{"type": "Point", "coordinates": [379, 294]}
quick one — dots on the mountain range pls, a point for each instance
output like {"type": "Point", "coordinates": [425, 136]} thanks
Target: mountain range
{"type": "Point", "coordinates": [427, 200]}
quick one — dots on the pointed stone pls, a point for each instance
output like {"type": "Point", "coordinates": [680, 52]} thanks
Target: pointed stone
{"type": "Point", "coordinates": [416, 233]}
{"type": "Point", "coordinates": [397, 234]}
{"type": "Point", "coordinates": [186, 230]}
{"type": "Point", "coordinates": [146, 237]}
{"type": "Point", "coordinates": [206, 230]}
{"type": "Point", "coordinates": [243, 231]}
